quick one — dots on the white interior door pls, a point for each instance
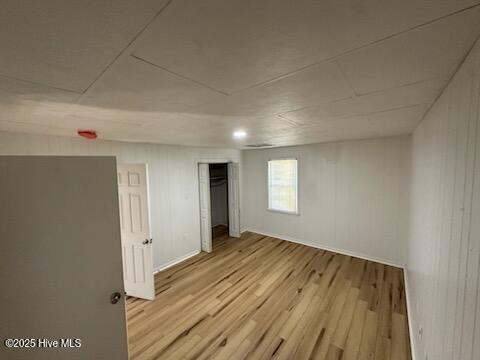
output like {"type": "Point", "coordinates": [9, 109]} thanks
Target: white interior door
{"type": "Point", "coordinates": [135, 231]}
{"type": "Point", "coordinates": [60, 257]}
{"type": "Point", "coordinates": [233, 200]}
{"type": "Point", "coordinates": [205, 211]}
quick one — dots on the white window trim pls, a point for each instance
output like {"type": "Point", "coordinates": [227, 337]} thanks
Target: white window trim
{"type": "Point", "coordinates": [296, 213]}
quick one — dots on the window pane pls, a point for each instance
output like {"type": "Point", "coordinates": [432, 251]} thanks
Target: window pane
{"type": "Point", "coordinates": [282, 185]}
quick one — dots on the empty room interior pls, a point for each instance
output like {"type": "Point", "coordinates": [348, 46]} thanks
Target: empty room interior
{"type": "Point", "coordinates": [227, 179]}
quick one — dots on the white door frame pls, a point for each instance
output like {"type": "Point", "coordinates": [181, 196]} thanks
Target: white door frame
{"type": "Point", "coordinates": [233, 171]}
{"type": "Point", "coordinates": [206, 244]}
{"type": "Point", "coordinates": [205, 208]}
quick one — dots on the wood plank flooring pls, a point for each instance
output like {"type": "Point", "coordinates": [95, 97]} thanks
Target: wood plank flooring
{"type": "Point", "coordinates": [262, 298]}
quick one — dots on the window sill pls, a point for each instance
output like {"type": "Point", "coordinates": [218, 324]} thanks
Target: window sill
{"type": "Point", "coordinates": [296, 213]}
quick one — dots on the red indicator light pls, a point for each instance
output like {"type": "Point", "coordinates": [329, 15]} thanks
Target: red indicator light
{"type": "Point", "coordinates": [89, 134]}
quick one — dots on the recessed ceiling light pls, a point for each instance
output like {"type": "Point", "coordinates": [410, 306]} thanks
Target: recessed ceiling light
{"type": "Point", "coordinates": [239, 134]}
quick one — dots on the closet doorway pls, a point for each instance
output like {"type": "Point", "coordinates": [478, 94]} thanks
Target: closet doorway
{"type": "Point", "coordinates": [219, 202]}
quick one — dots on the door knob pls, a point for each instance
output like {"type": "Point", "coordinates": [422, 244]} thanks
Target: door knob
{"type": "Point", "coordinates": [115, 297]}
{"type": "Point", "coordinates": [145, 242]}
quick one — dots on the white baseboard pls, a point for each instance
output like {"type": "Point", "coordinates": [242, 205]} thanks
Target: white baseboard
{"type": "Point", "coordinates": [409, 314]}
{"type": "Point", "coordinates": [328, 248]}
{"type": "Point", "coordinates": [175, 261]}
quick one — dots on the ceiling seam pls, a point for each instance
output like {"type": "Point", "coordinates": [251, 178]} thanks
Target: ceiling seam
{"type": "Point", "coordinates": [360, 114]}
{"type": "Point", "coordinates": [447, 83]}
{"type": "Point", "coordinates": [394, 108]}
{"type": "Point", "coordinates": [47, 126]}
{"type": "Point", "coordinates": [368, 93]}
{"type": "Point", "coordinates": [338, 56]}
{"type": "Point", "coordinates": [178, 75]}
{"type": "Point", "coordinates": [78, 92]}
{"type": "Point", "coordinates": [367, 138]}
{"type": "Point", "coordinates": [360, 95]}
{"type": "Point", "coordinates": [130, 43]}
{"type": "Point", "coordinates": [290, 121]}
{"type": "Point", "coordinates": [284, 114]}
{"type": "Point", "coordinates": [316, 105]}
{"type": "Point", "coordinates": [346, 78]}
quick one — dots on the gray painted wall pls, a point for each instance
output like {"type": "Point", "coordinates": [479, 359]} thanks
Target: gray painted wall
{"type": "Point", "coordinates": [60, 257]}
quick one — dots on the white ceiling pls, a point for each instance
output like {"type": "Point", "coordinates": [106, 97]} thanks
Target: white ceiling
{"type": "Point", "coordinates": [191, 72]}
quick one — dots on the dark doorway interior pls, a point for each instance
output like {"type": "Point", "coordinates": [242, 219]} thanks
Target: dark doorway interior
{"type": "Point", "coordinates": [219, 201]}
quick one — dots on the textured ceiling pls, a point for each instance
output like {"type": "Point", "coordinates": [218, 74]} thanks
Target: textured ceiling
{"type": "Point", "coordinates": [192, 72]}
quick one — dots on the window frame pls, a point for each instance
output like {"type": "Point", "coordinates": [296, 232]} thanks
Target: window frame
{"type": "Point", "coordinates": [297, 212]}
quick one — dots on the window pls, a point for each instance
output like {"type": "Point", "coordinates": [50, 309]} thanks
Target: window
{"type": "Point", "coordinates": [282, 186]}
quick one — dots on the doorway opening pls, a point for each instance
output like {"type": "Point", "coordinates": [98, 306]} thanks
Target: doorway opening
{"type": "Point", "coordinates": [219, 202]}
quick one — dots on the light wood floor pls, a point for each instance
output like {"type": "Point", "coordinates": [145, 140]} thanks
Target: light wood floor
{"type": "Point", "coordinates": [260, 298]}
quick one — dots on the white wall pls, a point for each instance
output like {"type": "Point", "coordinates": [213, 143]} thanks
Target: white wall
{"type": "Point", "coordinates": [444, 241]}
{"type": "Point", "coordinates": [173, 181]}
{"type": "Point", "coordinates": [353, 196]}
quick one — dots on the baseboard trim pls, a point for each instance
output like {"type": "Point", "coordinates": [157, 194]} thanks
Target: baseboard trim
{"type": "Point", "coordinates": [175, 261]}
{"type": "Point", "coordinates": [409, 314]}
{"type": "Point", "coordinates": [328, 248]}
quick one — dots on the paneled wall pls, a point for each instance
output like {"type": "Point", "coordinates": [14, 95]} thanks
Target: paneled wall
{"type": "Point", "coordinates": [173, 182]}
{"type": "Point", "coordinates": [353, 196]}
{"type": "Point", "coordinates": [444, 241]}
